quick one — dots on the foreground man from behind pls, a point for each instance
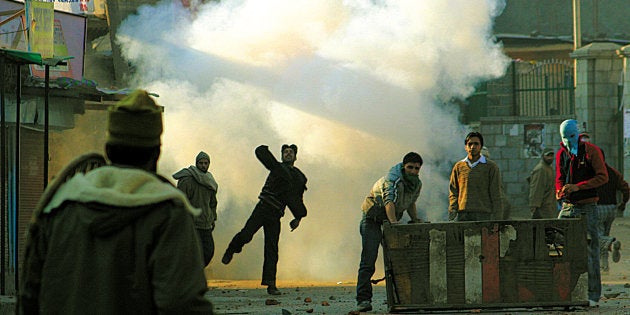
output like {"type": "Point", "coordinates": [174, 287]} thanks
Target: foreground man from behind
{"type": "Point", "coordinates": [201, 189]}
{"type": "Point", "coordinates": [284, 187]}
{"type": "Point", "coordinates": [118, 239]}
{"type": "Point", "coordinates": [580, 169]}
{"type": "Point", "coordinates": [388, 199]}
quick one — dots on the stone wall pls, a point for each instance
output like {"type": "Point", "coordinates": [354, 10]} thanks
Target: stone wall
{"type": "Point", "coordinates": [505, 138]}
{"type": "Point", "coordinates": [598, 78]}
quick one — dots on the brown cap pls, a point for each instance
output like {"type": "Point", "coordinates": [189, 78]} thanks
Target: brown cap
{"type": "Point", "coordinates": [135, 121]}
{"type": "Point", "coordinates": [546, 151]}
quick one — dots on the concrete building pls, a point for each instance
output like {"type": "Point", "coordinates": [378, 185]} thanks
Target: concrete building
{"type": "Point", "coordinates": [550, 81]}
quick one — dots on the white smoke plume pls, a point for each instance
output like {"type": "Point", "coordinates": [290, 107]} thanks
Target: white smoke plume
{"type": "Point", "coordinates": [355, 84]}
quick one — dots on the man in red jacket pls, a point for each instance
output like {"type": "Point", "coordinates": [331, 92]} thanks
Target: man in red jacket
{"type": "Point", "coordinates": [580, 170]}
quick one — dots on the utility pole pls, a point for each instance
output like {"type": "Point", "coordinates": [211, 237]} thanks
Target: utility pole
{"type": "Point", "coordinates": [577, 30]}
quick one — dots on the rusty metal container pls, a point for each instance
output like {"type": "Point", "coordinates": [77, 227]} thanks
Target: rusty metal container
{"type": "Point", "coordinates": [485, 264]}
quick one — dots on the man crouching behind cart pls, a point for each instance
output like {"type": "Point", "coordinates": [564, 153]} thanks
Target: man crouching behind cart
{"type": "Point", "coordinates": [389, 198]}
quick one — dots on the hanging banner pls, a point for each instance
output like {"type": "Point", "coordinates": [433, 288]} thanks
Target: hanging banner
{"type": "Point", "coordinates": [41, 17]}
{"type": "Point", "coordinates": [68, 40]}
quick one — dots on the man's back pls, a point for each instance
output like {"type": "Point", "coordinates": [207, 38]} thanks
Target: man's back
{"type": "Point", "coordinates": [87, 252]}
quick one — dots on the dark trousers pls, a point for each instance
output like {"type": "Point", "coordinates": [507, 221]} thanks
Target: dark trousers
{"type": "Point", "coordinates": [207, 244]}
{"type": "Point", "coordinates": [371, 238]}
{"type": "Point", "coordinates": [269, 219]}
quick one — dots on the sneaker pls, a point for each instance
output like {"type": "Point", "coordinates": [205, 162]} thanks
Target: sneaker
{"type": "Point", "coordinates": [227, 257]}
{"type": "Point", "coordinates": [592, 303]}
{"type": "Point", "coordinates": [364, 306]}
{"type": "Point", "coordinates": [273, 290]}
{"type": "Point", "coordinates": [616, 255]}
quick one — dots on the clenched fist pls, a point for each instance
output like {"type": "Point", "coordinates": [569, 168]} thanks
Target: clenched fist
{"type": "Point", "coordinates": [294, 224]}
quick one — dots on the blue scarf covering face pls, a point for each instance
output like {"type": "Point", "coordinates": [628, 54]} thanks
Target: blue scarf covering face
{"type": "Point", "coordinates": [570, 134]}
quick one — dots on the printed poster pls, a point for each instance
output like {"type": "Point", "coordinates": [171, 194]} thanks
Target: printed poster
{"type": "Point", "coordinates": [533, 143]}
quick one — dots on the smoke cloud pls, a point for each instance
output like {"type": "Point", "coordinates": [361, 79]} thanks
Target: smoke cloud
{"type": "Point", "coordinates": [355, 84]}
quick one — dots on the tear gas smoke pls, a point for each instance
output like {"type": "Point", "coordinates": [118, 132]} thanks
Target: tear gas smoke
{"type": "Point", "coordinates": [355, 84]}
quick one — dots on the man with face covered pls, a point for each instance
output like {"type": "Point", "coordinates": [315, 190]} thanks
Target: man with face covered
{"type": "Point", "coordinates": [201, 189]}
{"type": "Point", "coordinates": [283, 188]}
{"type": "Point", "coordinates": [388, 199]}
{"type": "Point", "coordinates": [580, 170]}
{"type": "Point", "coordinates": [475, 185]}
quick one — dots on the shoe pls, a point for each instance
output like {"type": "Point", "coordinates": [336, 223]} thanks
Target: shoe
{"type": "Point", "coordinates": [592, 303]}
{"type": "Point", "coordinates": [227, 257]}
{"type": "Point", "coordinates": [364, 306]}
{"type": "Point", "coordinates": [273, 290]}
{"type": "Point", "coordinates": [616, 255]}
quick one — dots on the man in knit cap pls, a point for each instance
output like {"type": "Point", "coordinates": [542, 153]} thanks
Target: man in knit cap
{"type": "Point", "coordinates": [117, 239]}
{"type": "Point", "coordinates": [201, 189]}
{"type": "Point", "coordinates": [542, 191]}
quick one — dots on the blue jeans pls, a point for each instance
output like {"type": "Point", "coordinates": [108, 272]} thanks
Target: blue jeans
{"type": "Point", "coordinates": [606, 215]}
{"type": "Point", "coordinates": [589, 213]}
{"type": "Point", "coordinates": [371, 237]}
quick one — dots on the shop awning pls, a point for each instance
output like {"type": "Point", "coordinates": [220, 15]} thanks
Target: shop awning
{"type": "Point", "coordinates": [29, 57]}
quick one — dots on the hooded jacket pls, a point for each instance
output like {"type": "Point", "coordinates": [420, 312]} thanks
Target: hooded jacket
{"type": "Point", "coordinates": [587, 170]}
{"type": "Point", "coordinates": [389, 188]}
{"type": "Point", "coordinates": [201, 189]}
{"type": "Point", "coordinates": [114, 241]}
{"type": "Point", "coordinates": [542, 193]}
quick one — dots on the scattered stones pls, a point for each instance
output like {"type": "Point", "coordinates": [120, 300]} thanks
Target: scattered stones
{"type": "Point", "coordinates": [308, 300]}
{"type": "Point", "coordinates": [271, 302]}
{"type": "Point", "coordinates": [325, 303]}
{"type": "Point", "coordinates": [310, 310]}
{"type": "Point", "coordinates": [611, 295]}
{"type": "Point", "coordinates": [332, 298]}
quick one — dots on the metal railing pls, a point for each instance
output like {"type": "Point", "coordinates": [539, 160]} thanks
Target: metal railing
{"type": "Point", "coordinates": [544, 88]}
